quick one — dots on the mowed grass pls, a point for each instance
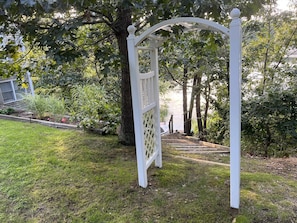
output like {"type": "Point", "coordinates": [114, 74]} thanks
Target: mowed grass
{"type": "Point", "coordinates": [53, 175]}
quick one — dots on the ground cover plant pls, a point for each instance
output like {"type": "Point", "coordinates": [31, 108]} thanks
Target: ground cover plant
{"type": "Point", "coordinates": [53, 175]}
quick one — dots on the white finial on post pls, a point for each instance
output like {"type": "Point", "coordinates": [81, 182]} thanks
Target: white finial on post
{"type": "Point", "coordinates": [131, 30]}
{"type": "Point", "coordinates": [235, 13]}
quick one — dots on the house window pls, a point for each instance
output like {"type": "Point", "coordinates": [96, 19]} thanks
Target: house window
{"type": "Point", "coordinates": [7, 91]}
{"type": "Point", "coordinates": [11, 91]}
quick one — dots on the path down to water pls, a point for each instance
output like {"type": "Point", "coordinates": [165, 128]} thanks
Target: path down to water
{"type": "Point", "coordinates": [189, 146]}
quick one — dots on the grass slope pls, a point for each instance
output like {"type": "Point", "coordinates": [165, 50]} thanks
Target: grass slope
{"type": "Point", "coordinates": [52, 175]}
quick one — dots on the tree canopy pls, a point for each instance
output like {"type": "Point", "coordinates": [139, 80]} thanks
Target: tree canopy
{"type": "Point", "coordinates": [269, 105]}
{"type": "Point", "coordinates": [56, 27]}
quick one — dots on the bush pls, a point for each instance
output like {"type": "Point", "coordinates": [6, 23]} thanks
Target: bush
{"type": "Point", "coordinates": [36, 104]}
{"type": "Point", "coordinates": [56, 107]}
{"type": "Point", "coordinates": [43, 106]}
{"type": "Point", "coordinates": [218, 129]}
{"type": "Point", "coordinates": [94, 110]}
{"type": "Point", "coordinates": [269, 123]}
{"type": "Point", "coordinates": [7, 111]}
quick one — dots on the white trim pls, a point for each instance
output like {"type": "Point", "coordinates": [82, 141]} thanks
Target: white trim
{"type": "Point", "coordinates": [151, 159]}
{"type": "Point", "coordinates": [137, 113]}
{"type": "Point", "coordinates": [146, 75]}
{"type": "Point", "coordinates": [13, 90]}
{"type": "Point", "coordinates": [149, 107]}
{"type": "Point", "coordinates": [205, 24]}
{"type": "Point", "coordinates": [235, 107]}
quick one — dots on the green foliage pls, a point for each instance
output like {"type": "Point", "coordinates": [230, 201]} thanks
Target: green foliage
{"type": "Point", "coordinates": [36, 104]}
{"type": "Point", "coordinates": [94, 110]}
{"type": "Point", "coordinates": [268, 42]}
{"type": "Point", "coordinates": [163, 112]}
{"type": "Point", "coordinates": [68, 30]}
{"type": "Point", "coordinates": [269, 123]}
{"type": "Point", "coordinates": [12, 50]}
{"type": "Point", "coordinates": [56, 107]}
{"type": "Point", "coordinates": [96, 31]}
{"type": "Point", "coordinates": [46, 105]}
{"type": "Point", "coordinates": [269, 84]}
{"type": "Point", "coordinates": [60, 79]}
{"type": "Point", "coordinates": [217, 129]}
{"type": "Point", "coordinates": [7, 111]}
{"type": "Point", "coordinates": [204, 71]}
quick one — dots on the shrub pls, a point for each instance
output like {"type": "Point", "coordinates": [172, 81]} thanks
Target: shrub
{"type": "Point", "coordinates": [36, 104]}
{"type": "Point", "coordinates": [7, 111]}
{"type": "Point", "coordinates": [218, 129]}
{"type": "Point", "coordinates": [56, 107]}
{"type": "Point", "coordinates": [269, 123]}
{"type": "Point", "coordinates": [45, 105]}
{"type": "Point", "coordinates": [94, 110]}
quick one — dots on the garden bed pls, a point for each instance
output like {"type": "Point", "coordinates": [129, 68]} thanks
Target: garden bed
{"type": "Point", "coordinates": [25, 117]}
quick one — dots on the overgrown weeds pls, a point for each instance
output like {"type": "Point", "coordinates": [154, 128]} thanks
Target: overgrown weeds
{"type": "Point", "coordinates": [42, 106]}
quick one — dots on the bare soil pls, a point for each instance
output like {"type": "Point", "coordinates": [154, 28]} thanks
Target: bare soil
{"type": "Point", "coordinates": [280, 166]}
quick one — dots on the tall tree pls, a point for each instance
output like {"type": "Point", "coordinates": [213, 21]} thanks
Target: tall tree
{"type": "Point", "coordinates": [199, 62]}
{"type": "Point", "coordinates": [53, 25]}
{"type": "Point", "coordinates": [269, 107]}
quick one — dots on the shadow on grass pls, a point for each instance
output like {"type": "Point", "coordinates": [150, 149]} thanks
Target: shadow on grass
{"type": "Point", "coordinates": [51, 175]}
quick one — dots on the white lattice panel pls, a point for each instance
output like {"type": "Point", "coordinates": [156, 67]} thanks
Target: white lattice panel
{"type": "Point", "coordinates": [149, 133]}
{"type": "Point", "coordinates": [145, 95]}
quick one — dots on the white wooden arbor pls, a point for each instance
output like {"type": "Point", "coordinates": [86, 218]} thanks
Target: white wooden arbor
{"type": "Point", "coordinates": [145, 96]}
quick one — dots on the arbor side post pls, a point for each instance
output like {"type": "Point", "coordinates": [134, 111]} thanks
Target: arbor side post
{"type": "Point", "coordinates": [155, 68]}
{"type": "Point", "coordinates": [235, 107]}
{"type": "Point", "coordinates": [137, 107]}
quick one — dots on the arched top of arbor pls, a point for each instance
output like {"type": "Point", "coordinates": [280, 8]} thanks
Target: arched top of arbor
{"type": "Point", "coordinates": [188, 22]}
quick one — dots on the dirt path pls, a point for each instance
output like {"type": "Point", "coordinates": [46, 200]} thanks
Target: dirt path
{"type": "Point", "coordinates": [187, 147]}
{"type": "Point", "coordinates": [203, 161]}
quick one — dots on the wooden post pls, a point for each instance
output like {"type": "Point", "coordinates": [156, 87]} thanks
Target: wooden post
{"type": "Point", "coordinates": [171, 124]}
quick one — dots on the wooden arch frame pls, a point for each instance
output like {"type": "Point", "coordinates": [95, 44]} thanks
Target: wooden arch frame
{"type": "Point", "coordinates": [145, 97]}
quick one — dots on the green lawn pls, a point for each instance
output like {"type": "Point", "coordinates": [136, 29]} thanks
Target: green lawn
{"type": "Point", "coordinates": [52, 175]}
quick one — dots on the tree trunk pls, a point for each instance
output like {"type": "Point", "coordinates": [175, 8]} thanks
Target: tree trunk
{"type": "Point", "coordinates": [126, 135]}
{"type": "Point", "coordinates": [268, 140]}
{"type": "Point", "coordinates": [193, 94]}
{"type": "Point", "coordinates": [266, 57]}
{"type": "Point", "coordinates": [198, 115]}
{"type": "Point", "coordinates": [187, 128]}
{"type": "Point", "coordinates": [207, 98]}
{"type": "Point", "coordinates": [198, 107]}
